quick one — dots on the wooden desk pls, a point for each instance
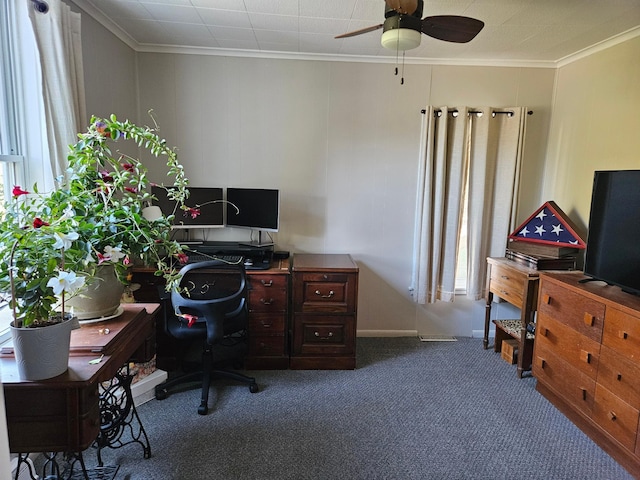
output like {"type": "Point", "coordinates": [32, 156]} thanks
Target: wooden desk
{"type": "Point", "coordinates": [62, 414]}
{"type": "Point", "coordinates": [268, 301]}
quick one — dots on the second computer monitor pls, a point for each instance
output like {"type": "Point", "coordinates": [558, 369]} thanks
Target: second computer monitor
{"type": "Point", "coordinates": [257, 208]}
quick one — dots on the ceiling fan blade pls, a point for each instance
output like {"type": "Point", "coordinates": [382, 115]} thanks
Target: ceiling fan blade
{"type": "Point", "coordinates": [452, 28]}
{"type": "Point", "coordinates": [360, 32]}
{"type": "Point", "coordinates": [403, 6]}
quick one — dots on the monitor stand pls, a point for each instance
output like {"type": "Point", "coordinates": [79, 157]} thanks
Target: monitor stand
{"type": "Point", "coordinates": [260, 243]}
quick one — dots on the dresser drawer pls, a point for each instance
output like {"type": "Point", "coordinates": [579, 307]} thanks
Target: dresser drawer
{"type": "Point", "coordinates": [577, 311]}
{"type": "Point", "coordinates": [507, 283]}
{"type": "Point", "coordinates": [617, 417]}
{"type": "Point", "coordinates": [579, 351]}
{"type": "Point", "coordinates": [275, 282]}
{"type": "Point", "coordinates": [551, 370]}
{"type": "Point", "coordinates": [622, 333]}
{"type": "Point", "coordinates": [324, 335]}
{"type": "Point", "coordinates": [620, 375]}
{"type": "Point", "coordinates": [325, 293]}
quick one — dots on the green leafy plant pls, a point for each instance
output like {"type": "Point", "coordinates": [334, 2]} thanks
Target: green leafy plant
{"type": "Point", "coordinates": [52, 243]}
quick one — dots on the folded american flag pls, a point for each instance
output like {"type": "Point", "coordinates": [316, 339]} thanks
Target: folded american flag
{"type": "Point", "coordinates": [548, 225]}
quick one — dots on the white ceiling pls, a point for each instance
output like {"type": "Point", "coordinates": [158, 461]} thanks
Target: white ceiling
{"type": "Point", "coordinates": [516, 31]}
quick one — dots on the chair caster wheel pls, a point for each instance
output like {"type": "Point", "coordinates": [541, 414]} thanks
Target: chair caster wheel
{"type": "Point", "coordinates": [203, 409]}
{"type": "Point", "coordinates": [161, 394]}
{"type": "Point", "coordinates": [253, 388]}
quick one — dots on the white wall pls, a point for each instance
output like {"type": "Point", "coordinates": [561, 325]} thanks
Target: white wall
{"type": "Point", "coordinates": [340, 140]}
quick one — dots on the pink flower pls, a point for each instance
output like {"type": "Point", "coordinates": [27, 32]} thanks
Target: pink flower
{"type": "Point", "coordinates": [38, 222]}
{"type": "Point", "coordinates": [128, 167]}
{"type": "Point", "coordinates": [192, 212]}
{"type": "Point", "coordinates": [182, 258]}
{"type": "Point", "coordinates": [17, 191]}
{"type": "Point", "coordinates": [131, 189]}
{"type": "Point", "coordinates": [105, 176]}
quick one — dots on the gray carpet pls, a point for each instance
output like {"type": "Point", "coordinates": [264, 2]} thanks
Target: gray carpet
{"type": "Point", "coordinates": [411, 410]}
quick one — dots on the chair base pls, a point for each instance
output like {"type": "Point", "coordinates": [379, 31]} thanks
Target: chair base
{"type": "Point", "coordinates": [181, 383]}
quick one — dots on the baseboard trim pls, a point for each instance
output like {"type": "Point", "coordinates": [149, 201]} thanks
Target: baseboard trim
{"type": "Point", "coordinates": [144, 389]}
{"type": "Point", "coordinates": [387, 333]}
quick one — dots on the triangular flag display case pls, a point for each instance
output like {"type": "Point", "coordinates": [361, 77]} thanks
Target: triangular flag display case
{"type": "Point", "coordinates": [549, 225]}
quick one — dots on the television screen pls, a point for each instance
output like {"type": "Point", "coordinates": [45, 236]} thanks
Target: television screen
{"type": "Point", "coordinates": [612, 252]}
{"type": "Point", "coordinates": [208, 200]}
{"type": "Point", "coordinates": [257, 208]}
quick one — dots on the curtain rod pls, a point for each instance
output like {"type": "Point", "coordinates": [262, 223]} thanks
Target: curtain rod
{"type": "Point", "coordinates": [438, 112]}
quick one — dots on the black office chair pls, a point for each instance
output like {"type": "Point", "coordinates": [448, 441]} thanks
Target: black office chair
{"type": "Point", "coordinates": [211, 305]}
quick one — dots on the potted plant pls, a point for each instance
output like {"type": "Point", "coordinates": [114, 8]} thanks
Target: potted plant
{"type": "Point", "coordinates": [53, 245]}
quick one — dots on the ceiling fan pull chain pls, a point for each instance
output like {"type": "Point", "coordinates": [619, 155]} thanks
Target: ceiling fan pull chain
{"type": "Point", "coordinates": [402, 77]}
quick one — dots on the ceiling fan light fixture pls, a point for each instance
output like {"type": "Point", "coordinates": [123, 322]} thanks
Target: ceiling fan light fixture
{"type": "Point", "coordinates": [401, 39]}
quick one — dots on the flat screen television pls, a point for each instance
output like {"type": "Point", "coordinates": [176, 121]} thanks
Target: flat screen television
{"type": "Point", "coordinates": [613, 241]}
{"type": "Point", "coordinates": [257, 208]}
{"type": "Point", "coordinates": [208, 200]}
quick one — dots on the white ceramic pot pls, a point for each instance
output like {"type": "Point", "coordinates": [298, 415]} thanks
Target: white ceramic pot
{"type": "Point", "coordinates": [100, 298]}
{"type": "Point", "coordinates": [42, 352]}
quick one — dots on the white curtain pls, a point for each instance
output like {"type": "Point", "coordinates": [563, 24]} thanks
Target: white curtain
{"type": "Point", "coordinates": [470, 157]}
{"type": "Point", "coordinates": [57, 35]}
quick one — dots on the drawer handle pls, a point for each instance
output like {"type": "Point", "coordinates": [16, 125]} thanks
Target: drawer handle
{"type": "Point", "coordinates": [546, 299]}
{"type": "Point", "coordinates": [612, 416]}
{"type": "Point", "coordinates": [266, 302]}
{"type": "Point", "coordinates": [585, 356]}
{"type": "Point", "coordinates": [584, 394]}
{"type": "Point", "coordinates": [331, 294]}
{"type": "Point", "coordinates": [505, 277]}
{"type": "Point", "coordinates": [544, 331]}
{"type": "Point", "coordinates": [504, 293]}
{"type": "Point", "coordinates": [589, 319]}
{"type": "Point", "coordinates": [542, 362]}
{"type": "Point", "coordinates": [619, 377]}
{"type": "Point", "coordinates": [267, 284]}
{"type": "Point", "coordinates": [624, 335]}
{"type": "Point", "coordinates": [266, 325]}
{"type": "Point", "coordinates": [329, 335]}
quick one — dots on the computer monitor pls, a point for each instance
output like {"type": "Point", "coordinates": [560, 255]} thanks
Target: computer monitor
{"type": "Point", "coordinates": [208, 200]}
{"type": "Point", "coordinates": [257, 208]}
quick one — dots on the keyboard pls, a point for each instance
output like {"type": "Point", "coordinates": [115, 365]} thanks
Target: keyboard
{"type": "Point", "coordinates": [195, 257]}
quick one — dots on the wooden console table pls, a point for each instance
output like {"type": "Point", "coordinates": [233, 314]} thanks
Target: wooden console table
{"type": "Point", "coordinates": [62, 414]}
{"type": "Point", "coordinates": [517, 285]}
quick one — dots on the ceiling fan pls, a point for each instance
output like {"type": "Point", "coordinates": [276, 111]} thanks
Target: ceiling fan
{"type": "Point", "coordinates": [403, 26]}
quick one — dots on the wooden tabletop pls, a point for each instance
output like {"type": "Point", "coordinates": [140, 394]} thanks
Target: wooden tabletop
{"type": "Point", "coordinates": [324, 261]}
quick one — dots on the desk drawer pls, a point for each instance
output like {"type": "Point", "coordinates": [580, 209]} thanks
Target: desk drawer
{"type": "Point", "coordinates": [325, 292]}
{"type": "Point", "coordinates": [577, 311]}
{"type": "Point", "coordinates": [324, 335]}
{"type": "Point", "coordinates": [267, 324]}
{"type": "Point", "coordinates": [267, 300]}
{"type": "Point", "coordinates": [269, 346]}
{"type": "Point", "coordinates": [508, 284]}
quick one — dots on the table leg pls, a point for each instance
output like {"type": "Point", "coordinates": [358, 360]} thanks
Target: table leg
{"type": "Point", "coordinates": [120, 424]}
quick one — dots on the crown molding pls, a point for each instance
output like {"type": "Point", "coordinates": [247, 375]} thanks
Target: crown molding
{"type": "Point", "coordinates": [106, 22]}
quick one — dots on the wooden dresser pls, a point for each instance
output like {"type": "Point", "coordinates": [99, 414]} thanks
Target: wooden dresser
{"type": "Point", "coordinates": [587, 360]}
{"type": "Point", "coordinates": [325, 299]}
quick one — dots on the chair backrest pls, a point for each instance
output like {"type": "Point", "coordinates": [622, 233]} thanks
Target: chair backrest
{"type": "Point", "coordinates": [216, 293]}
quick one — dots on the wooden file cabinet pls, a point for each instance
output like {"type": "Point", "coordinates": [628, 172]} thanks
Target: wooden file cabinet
{"type": "Point", "coordinates": [268, 317]}
{"type": "Point", "coordinates": [325, 297]}
{"type": "Point", "coordinates": [517, 285]}
{"type": "Point", "coordinates": [587, 360]}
